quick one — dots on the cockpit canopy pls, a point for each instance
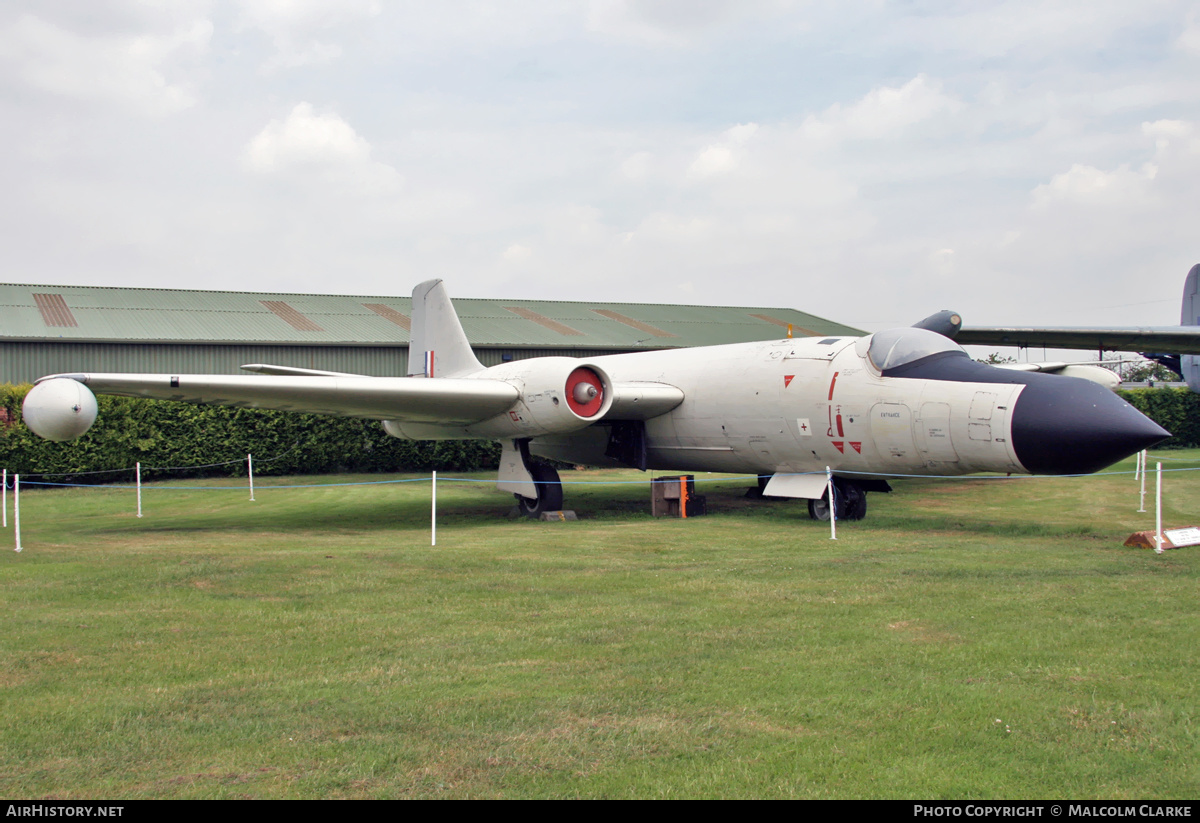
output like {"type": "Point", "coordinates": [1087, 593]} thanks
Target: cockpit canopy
{"type": "Point", "coordinates": [893, 348]}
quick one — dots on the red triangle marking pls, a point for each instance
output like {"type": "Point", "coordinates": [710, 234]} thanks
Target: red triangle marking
{"type": "Point", "coordinates": [787, 380]}
{"type": "Point", "coordinates": [839, 444]}
{"type": "Point", "coordinates": [856, 446]}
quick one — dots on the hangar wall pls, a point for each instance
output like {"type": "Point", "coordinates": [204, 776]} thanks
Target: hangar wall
{"type": "Point", "coordinates": [24, 361]}
{"type": "Point", "coordinates": [51, 329]}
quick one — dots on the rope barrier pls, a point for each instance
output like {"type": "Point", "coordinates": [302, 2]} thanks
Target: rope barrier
{"type": "Point", "coordinates": [1139, 473]}
{"type": "Point", "coordinates": [295, 446]}
{"type": "Point", "coordinates": [721, 479]}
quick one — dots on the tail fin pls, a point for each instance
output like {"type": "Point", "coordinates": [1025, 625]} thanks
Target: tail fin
{"type": "Point", "coordinates": [438, 345]}
{"type": "Point", "coordinates": [1190, 314]}
{"type": "Point", "coordinates": [1189, 364]}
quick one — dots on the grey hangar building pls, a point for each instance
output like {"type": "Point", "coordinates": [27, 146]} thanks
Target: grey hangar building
{"type": "Point", "coordinates": [48, 329]}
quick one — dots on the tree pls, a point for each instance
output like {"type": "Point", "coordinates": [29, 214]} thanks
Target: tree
{"type": "Point", "coordinates": [995, 359]}
{"type": "Point", "coordinates": [1149, 370]}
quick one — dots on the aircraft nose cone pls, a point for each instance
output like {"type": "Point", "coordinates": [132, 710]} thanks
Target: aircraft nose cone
{"type": "Point", "coordinates": [1064, 425]}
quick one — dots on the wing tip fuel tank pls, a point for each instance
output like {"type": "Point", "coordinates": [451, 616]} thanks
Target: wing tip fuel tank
{"type": "Point", "coordinates": [59, 408]}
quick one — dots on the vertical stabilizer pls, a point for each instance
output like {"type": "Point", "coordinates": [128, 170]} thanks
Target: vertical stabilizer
{"type": "Point", "coordinates": [1189, 364]}
{"type": "Point", "coordinates": [438, 345]}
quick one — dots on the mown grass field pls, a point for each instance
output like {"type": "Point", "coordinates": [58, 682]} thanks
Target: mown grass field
{"type": "Point", "coordinates": [970, 639]}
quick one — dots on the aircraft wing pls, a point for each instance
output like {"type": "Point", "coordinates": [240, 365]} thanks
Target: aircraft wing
{"type": "Point", "coordinates": [1174, 339]}
{"type": "Point", "coordinates": [453, 401]}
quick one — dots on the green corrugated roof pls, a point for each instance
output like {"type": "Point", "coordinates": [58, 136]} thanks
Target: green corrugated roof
{"type": "Point", "coordinates": [193, 316]}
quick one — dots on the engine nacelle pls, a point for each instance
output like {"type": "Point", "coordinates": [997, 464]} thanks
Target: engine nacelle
{"type": "Point", "coordinates": [59, 409]}
{"type": "Point", "coordinates": [558, 395]}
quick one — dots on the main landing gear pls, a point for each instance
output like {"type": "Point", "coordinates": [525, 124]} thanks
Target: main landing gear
{"type": "Point", "coordinates": [849, 502]}
{"type": "Point", "coordinates": [549, 491]}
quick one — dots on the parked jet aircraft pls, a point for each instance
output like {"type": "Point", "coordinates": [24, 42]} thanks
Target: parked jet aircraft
{"type": "Point", "coordinates": [904, 401]}
{"type": "Point", "coordinates": [1182, 341]}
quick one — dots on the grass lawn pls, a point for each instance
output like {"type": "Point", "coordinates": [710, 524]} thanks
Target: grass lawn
{"type": "Point", "coordinates": [974, 638]}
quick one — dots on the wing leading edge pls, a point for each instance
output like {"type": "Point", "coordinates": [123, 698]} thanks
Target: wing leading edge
{"type": "Point", "coordinates": [452, 401]}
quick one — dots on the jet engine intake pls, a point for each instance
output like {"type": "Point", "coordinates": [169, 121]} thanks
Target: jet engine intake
{"type": "Point", "coordinates": [558, 395]}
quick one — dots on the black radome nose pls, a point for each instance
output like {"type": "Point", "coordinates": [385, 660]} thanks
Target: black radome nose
{"type": "Point", "coordinates": [1065, 425]}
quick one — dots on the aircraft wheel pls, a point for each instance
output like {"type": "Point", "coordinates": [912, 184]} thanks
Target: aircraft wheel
{"type": "Point", "coordinates": [819, 509]}
{"type": "Point", "coordinates": [855, 500]}
{"type": "Point", "coordinates": [549, 489]}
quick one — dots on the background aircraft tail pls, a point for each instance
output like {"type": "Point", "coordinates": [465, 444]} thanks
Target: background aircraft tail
{"type": "Point", "coordinates": [438, 345]}
{"type": "Point", "coordinates": [1189, 364]}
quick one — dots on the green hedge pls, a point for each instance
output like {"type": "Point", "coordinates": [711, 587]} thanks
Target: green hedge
{"type": "Point", "coordinates": [1176, 410]}
{"type": "Point", "coordinates": [166, 434]}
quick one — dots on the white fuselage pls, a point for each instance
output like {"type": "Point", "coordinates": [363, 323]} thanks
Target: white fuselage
{"type": "Point", "coordinates": [800, 405]}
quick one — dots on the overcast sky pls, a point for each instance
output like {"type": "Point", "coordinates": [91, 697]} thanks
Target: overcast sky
{"type": "Point", "coordinates": [870, 162]}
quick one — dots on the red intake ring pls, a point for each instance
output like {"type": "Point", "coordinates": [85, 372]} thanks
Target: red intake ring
{"type": "Point", "coordinates": [578, 383]}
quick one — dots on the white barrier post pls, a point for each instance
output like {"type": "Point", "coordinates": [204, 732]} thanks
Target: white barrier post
{"type": "Point", "coordinates": [5, 494]}
{"type": "Point", "coordinates": [433, 513]}
{"type": "Point", "coordinates": [139, 488]}
{"type": "Point", "coordinates": [1142, 464]}
{"type": "Point", "coordinates": [1158, 539]}
{"type": "Point", "coordinates": [832, 507]}
{"type": "Point", "coordinates": [250, 466]}
{"type": "Point", "coordinates": [17, 508]}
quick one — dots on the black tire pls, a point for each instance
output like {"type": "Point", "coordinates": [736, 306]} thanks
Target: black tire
{"type": "Point", "coordinates": [849, 500]}
{"type": "Point", "coordinates": [855, 498]}
{"type": "Point", "coordinates": [549, 489]}
{"type": "Point", "coordinates": [819, 509]}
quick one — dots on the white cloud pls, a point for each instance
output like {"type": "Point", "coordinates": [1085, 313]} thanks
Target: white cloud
{"type": "Point", "coordinates": [308, 144]}
{"type": "Point", "coordinates": [1086, 185]}
{"type": "Point", "coordinates": [713, 160]}
{"type": "Point", "coordinates": [675, 22]}
{"type": "Point", "coordinates": [723, 157]}
{"type": "Point", "coordinates": [1189, 40]}
{"type": "Point", "coordinates": [884, 112]}
{"type": "Point", "coordinates": [1167, 128]}
{"type": "Point", "coordinates": [305, 138]}
{"type": "Point", "coordinates": [1176, 148]}
{"type": "Point", "coordinates": [516, 253]}
{"type": "Point", "coordinates": [122, 68]}
{"type": "Point", "coordinates": [637, 166]}
{"type": "Point", "coordinates": [299, 30]}
{"type": "Point", "coordinates": [942, 262]}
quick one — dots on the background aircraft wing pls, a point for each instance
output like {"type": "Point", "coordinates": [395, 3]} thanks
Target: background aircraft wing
{"type": "Point", "coordinates": [453, 401]}
{"type": "Point", "coordinates": [1175, 339]}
